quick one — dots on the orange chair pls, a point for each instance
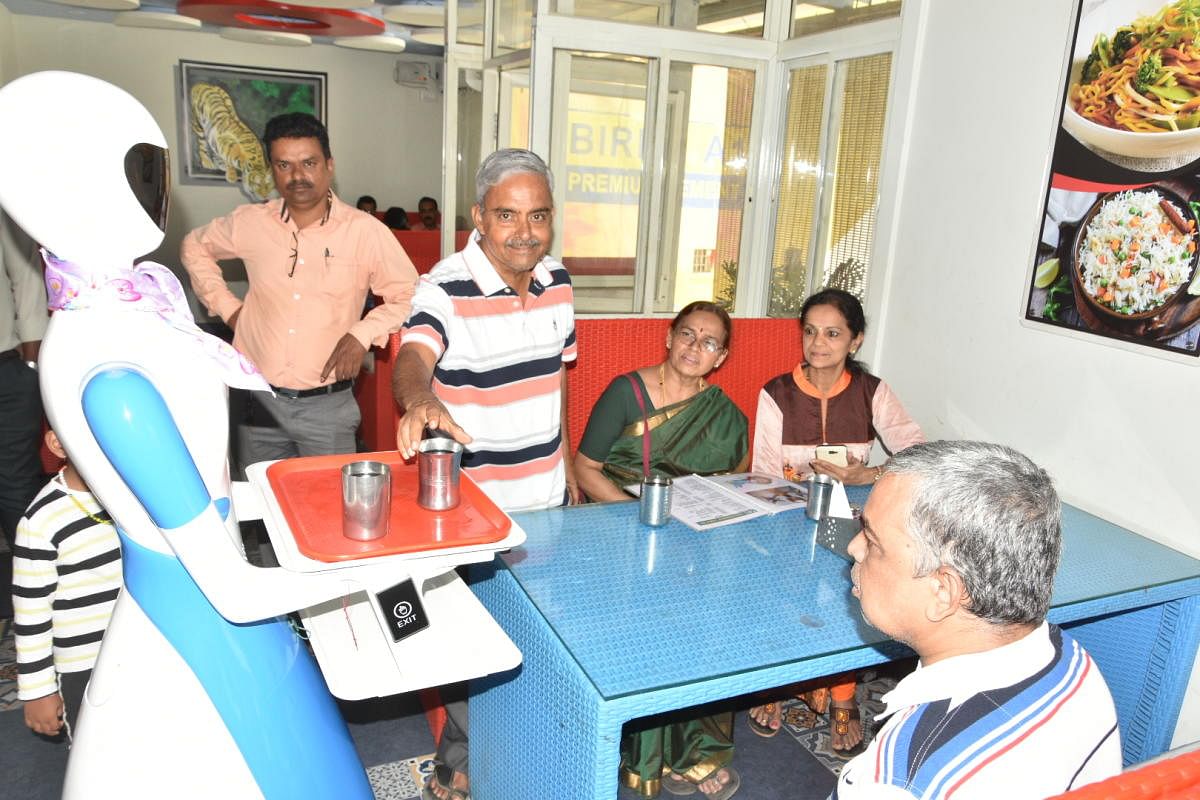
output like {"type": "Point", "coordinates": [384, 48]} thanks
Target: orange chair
{"type": "Point", "coordinates": [1173, 778]}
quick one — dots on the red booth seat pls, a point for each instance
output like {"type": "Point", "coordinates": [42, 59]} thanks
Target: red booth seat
{"type": "Point", "coordinates": [761, 349]}
{"type": "Point", "coordinates": [425, 247]}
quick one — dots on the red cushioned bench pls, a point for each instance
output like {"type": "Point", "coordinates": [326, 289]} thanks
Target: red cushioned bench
{"type": "Point", "coordinates": [761, 349]}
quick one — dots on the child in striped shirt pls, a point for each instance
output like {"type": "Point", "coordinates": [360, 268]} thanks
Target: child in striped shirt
{"type": "Point", "coordinates": [66, 578]}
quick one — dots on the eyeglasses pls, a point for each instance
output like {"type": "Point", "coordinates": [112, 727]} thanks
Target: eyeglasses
{"type": "Point", "coordinates": [295, 254]}
{"type": "Point", "coordinates": [688, 338]}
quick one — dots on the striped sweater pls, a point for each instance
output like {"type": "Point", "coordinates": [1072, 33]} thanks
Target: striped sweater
{"type": "Point", "coordinates": [1031, 719]}
{"type": "Point", "coordinates": [66, 578]}
{"type": "Point", "coordinates": [499, 365]}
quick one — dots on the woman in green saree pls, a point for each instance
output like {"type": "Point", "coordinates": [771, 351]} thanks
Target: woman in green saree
{"type": "Point", "coordinates": [690, 427]}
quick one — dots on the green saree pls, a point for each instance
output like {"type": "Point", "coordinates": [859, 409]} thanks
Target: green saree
{"type": "Point", "coordinates": [704, 434]}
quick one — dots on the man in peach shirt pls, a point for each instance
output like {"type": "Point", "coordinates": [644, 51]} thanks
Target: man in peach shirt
{"type": "Point", "coordinates": [310, 260]}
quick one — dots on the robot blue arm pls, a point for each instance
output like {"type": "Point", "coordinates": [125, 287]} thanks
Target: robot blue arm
{"type": "Point", "coordinates": [138, 434]}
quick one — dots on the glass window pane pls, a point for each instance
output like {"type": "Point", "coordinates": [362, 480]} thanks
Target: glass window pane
{"type": "Point", "coordinates": [828, 202]}
{"type": "Point", "coordinates": [738, 17]}
{"type": "Point", "coordinates": [513, 127]}
{"type": "Point", "coordinates": [470, 134]}
{"type": "Point", "coordinates": [601, 139]}
{"type": "Point", "coordinates": [813, 16]}
{"type": "Point", "coordinates": [512, 26]}
{"type": "Point", "coordinates": [470, 22]}
{"type": "Point", "coordinates": [863, 106]}
{"type": "Point", "coordinates": [799, 186]}
{"type": "Point", "coordinates": [704, 191]}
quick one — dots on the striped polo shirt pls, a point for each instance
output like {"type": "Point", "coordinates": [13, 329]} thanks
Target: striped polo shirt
{"type": "Point", "coordinates": [1031, 719]}
{"type": "Point", "coordinates": [498, 370]}
{"type": "Point", "coordinates": [66, 578]}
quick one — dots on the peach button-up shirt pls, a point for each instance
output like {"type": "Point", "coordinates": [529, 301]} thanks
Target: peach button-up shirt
{"type": "Point", "coordinates": [293, 318]}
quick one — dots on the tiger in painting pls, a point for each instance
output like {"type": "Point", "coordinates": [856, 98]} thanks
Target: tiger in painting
{"type": "Point", "coordinates": [224, 142]}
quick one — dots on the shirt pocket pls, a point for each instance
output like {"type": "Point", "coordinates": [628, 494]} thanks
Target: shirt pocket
{"type": "Point", "coordinates": [341, 280]}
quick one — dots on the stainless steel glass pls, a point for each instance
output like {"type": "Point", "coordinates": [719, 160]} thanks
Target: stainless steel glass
{"type": "Point", "coordinates": [366, 500]}
{"type": "Point", "coordinates": [439, 462]}
{"type": "Point", "coordinates": [656, 500]}
{"type": "Point", "coordinates": [820, 489]}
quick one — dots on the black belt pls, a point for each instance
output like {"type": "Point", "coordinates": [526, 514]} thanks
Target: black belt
{"type": "Point", "coordinates": [9, 355]}
{"type": "Point", "coordinates": [296, 394]}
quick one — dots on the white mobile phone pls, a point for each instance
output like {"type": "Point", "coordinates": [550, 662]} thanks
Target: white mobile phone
{"type": "Point", "coordinates": [833, 453]}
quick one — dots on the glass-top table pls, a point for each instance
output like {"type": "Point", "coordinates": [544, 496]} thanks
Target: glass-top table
{"type": "Point", "coordinates": [618, 620]}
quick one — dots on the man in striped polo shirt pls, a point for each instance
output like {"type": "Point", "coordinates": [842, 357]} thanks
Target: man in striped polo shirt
{"type": "Point", "coordinates": [481, 357]}
{"type": "Point", "coordinates": [956, 558]}
{"type": "Point", "coordinates": [482, 353]}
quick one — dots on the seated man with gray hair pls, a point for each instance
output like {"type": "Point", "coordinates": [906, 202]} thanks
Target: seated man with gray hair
{"type": "Point", "coordinates": [956, 558]}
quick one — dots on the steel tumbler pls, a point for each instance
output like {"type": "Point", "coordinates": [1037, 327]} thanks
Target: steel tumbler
{"type": "Point", "coordinates": [366, 500]}
{"type": "Point", "coordinates": [656, 500]}
{"type": "Point", "coordinates": [820, 489]}
{"type": "Point", "coordinates": [439, 461]}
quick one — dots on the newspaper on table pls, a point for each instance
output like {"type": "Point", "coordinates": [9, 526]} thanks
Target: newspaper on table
{"type": "Point", "coordinates": [703, 503]}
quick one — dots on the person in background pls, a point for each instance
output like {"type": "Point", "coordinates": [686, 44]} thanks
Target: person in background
{"type": "Point", "coordinates": [687, 426]}
{"type": "Point", "coordinates": [367, 204]}
{"type": "Point", "coordinates": [396, 218]}
{"type": "Point", "coordinates": [23, 321]}
{"type": "Point", "coordinates": [431, 218]}
{"type": "Point", "coordinates": [956, 559]}
{"type": "Point", "coordinates": [829, 398]}
{"type": "Point", "coordinates": [310, 260]}
{"type": "Point", "coordinates": [482, 358]}
{"type": "Point", "coordinates": [66, 578]}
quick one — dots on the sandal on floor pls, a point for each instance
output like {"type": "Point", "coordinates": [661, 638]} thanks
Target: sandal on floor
{"type": "Point", "coordinates": [440, 770]}
{"type": "Point", "coordinates": [678, 785]}
{"type": "Point", "coordinates": [839, 723]}
{"type": "Point", "coordinates": [774, 711]}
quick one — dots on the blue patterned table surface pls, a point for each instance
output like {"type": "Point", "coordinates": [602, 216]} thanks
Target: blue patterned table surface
{"type": "Point", "coordinates": [643, 608]}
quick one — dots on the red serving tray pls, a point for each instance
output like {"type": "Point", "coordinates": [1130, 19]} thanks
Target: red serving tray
{"type": "Point", "coordinates": [309, 491]}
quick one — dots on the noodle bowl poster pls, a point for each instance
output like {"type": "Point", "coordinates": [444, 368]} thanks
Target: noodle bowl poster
{"type": "Point", "coordinates": [1118, 251]}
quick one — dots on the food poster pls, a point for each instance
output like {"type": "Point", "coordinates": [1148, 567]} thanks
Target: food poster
{"type": "Point", "coordinates": [1118, 247]}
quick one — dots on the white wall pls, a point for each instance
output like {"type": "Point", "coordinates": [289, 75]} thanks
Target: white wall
{"type": "Point", "coordinates": [1118, 430]}
{"type": "Point", "coordinates": [386, 140]}
{"type": "Point", "coordinates": [8, 64]}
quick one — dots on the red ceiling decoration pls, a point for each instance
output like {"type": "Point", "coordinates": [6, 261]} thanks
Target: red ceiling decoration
{"type": "Point", "coordinates": [265, 15]}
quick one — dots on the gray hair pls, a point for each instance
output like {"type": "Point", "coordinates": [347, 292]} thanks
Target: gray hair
{"type": "Point", "coordinates": [502, 163]}
{"type": "Point", "coordinates": [993, 516]}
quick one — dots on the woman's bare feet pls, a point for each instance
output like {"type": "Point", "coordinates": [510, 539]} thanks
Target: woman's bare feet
{"type": "Point", "coordinates": [714, 783]}
{"type": "Point", "coordinates": [459, 787]}
{"type": "Point", "coordinates": [845, 728]}
{"type": "Point", "coordinates": [766, 720]}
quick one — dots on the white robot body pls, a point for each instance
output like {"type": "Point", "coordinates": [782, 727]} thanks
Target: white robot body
{"type": "Point", "coordinates": [200, 689]}
{"type": "Point", "coordinates": [142, 696]}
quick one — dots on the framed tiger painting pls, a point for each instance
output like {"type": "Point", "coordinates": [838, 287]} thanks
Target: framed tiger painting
{"type": "Point", "coordinates": [223, 110]}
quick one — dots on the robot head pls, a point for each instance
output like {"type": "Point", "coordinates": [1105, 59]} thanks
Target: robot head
{"type": "Point", "coordinates": [83, 168]}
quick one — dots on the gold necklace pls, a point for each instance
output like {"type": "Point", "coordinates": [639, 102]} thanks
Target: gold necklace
{"type": "Point", "coordinates": [662, 389]}
{"type": "Point", "coordinates": [88, 514]}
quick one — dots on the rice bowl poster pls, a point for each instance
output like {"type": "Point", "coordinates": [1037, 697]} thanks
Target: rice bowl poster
{"type": "Point", "coordinates": [1119, 246]}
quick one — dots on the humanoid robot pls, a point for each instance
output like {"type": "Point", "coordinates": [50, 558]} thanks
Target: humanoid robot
{"type": "Point", "coordinates": [201, 688]}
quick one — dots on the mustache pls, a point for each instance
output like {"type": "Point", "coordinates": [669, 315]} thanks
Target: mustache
{"type": "Point", "coordinates": [516, 241]}
{"type": "Point", "coordinates": [299, 185]}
